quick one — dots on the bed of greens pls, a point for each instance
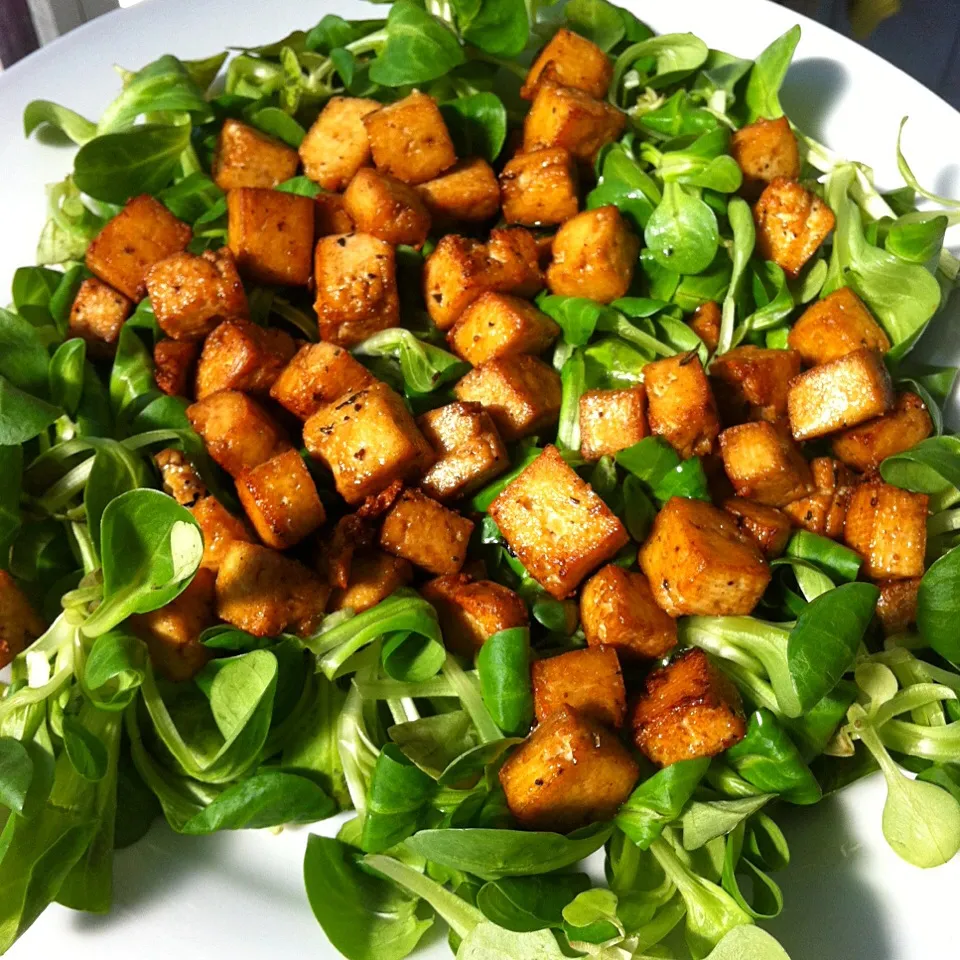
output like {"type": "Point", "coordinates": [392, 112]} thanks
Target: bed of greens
{"type": "Point", "coordinates": [372, 714]}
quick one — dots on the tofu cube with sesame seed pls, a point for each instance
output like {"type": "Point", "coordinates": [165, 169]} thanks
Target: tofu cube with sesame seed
{"type": "Point", "coordinates": [765, 150]}
{"type": "Point", "coordinates": [897, 606]}
{"type": "Point", "coordinates": [386, 208]}
{"type": "Point", "coordinates": [566, 117]}
{"type": "Point", "coordinates": [337, 145]}
{"type": "Point", "coordinates": [792, 223]}
{"type": "Point", "coordinates": [768, 527]}
{"type": "Point", "coordinates": [838, 324]}
{"type": "Point", "coordinates": [764, 464]}
{"type": "Point", "coordinates": [612, 420]}
{"type": "Point", "coordinates": [426, 533]}
{"type": "Point", "coordinates": [240, 355]}
{"type": "Point", "coordinates": [466, 193]}
{"type": "Point", "coordinates": [571, 61]}
{"type": "Point", "coordinates": [540, 188]}
{"type": "Point", "coordinates": [680, 404]}
{"type": "Point", "coordinates": [590, 681]}
{"type": "Point", "coordinates": [751, 383]}
{"type": "Point", "coordinates": [245, 157]}
{"type": "Point", "coordinates": [318, 374]}
{"type": "Point", "coordinates": [823, 512]}
{"type": "Point", "coordinates": [865, 447]}
{"type": "Point", "coordinates": [374, 575]}
{"type": "Point", "coordinates": [498, 324]}
{"type": "Point", "coordinates": [97, 314]}
{"type": "Point", "coordinates": [220, 528]}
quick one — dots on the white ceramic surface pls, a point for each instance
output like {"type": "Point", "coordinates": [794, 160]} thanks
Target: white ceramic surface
{"type": "Point", "coordinates": [241, 896]}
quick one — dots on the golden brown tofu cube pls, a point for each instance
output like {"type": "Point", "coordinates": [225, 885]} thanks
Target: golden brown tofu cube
{"type": "Point", "coordinates": [588, 680]}
{"type": "Point", "coordinates": [337, 145]}
{"type": "Point", "coordinates": [316, 376]}
{"type": "Point", "coordinates": [570, 772]}
{"type": "Point", "coordinates": [367, 439]}
{"type": "Point", "coordinates": [765, 150]}
{"type": "Point", "coordinates": [468, 447]}
{"type": "Point", "coordinates": [515, 261]}
{"type": "Point", "coordinates": [897, 606]}
{"type": "Point", "coordinates": [219, 528]}
{"type": "Point", "coordinates": [825, 510]}
{"type": "Point", "coordinates": [865, 447]}
{"type": "Point", "coordinates": [143, 233]}
{"type": "Point", "coordinates": [690, 709]}
{"type": "Point", "coordinates": [172, 633]}
{"type": "Point", "coordinates": [173, 365]}
{"type": "Point", "coordinates": [699, 563]}
{"type": "Point", "coordinates": [281, 500]}
{"type": "Point", "coordinates": [539, 188]}
{"type": "Point", "coordinates": [569, 118]}
{"type": "Point", "coordinates": [765, 465]}
{"type": "Point", "coordinates": [835, 326]}
{"type": "Point", "coordinates": [240, 355]}
{"type": "Point", "coordinates": [843, 393]}
{"type": "Point", "coordinates": [330, 216]}
{"type": "Point", "coordinates": [768, 527]}
{"type": "Point", "coordinates": [498, 324]}
{"type": "Point", "coordinates": [571, 61]}
{"type": "Point", "coordinates": [791, 223]}
{"type": "Point", "coordinates": [556, 524]}
{"type": "Point", "coordinates": [426, 533]}
{"type": "Point", "coordinates": [246, 157]}
{"type": "Point", "coordinates": [887, 526]}
{"type": "Point", "coordinates": [97, 314]}
{"type": "Point", "coordinates": [410, 140]}
{"type": "Point", "coordinates": [467, 193]}
{"type": "Point", "coordinates": [387, 208]}
{"type": "Point", "coordinates": [237, 431]}
{"type": "Point", "coordinates": [752, 382]}
{"type": "Point", "coordinates": [594, 255]}
{"type": "Point", "coordinates": [521, 393]}
{"type": "Point", "coordinates": [19, 623]}
{"type": "Point", "coordinates": [191, 295]}
{"type": "Point", "coordinates": [705, 323]}
{"type": "Point", "coordinates": [471, 611]}
{"type": "Point", "coordinates": [374, 575]}
{"type": "Point", "coordinates": [612, 420]}
{"type": "Point", "coordinates": [265, 593]}
{"type": "Point", "coordinates": [680, 404]}
{"type": "Point", "coordinates": [618, 611]}
{"type": "Point", "coordinates": [180, 478]}
{"type": "Point", "coordinates": [271, 235]}
{"type": "Point", "coordinates": [356, 288]}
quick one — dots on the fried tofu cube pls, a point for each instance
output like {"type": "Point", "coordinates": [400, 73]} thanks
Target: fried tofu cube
{"type": "Point", "coordinates": [521, 393]}
{"type": "Point", "coordinates": [705, 323]}
{"type": "Point", "coordinates": [240, 355]}
{"type": "Point", "coordinates": [887, 526]}
{"type": "Point", "coordinates": [426, 533]}
{"type": "Point", "coordinates": [357, 295]}
{"type": "Point", "coordinates": [330, 215]}
{"type": "Point", "coordinates": [590, 681]}
{"type": "Point", "coordinates": [617, 611]}
{"type": "Point", "coordinates": [220, 528]}
{"type": "Point", "coordinates": [865, 447]}
{"type": "Point", "coordinates": [367, 439]}
{"type": "Point", "coordinates": [179, 477]}
{"type": "Point", "coordinates": [466, 193]}
{"type": "Point", "coordinates": [840, 394]}
{"type": "Point", "coordinates": [612, 420]}
{"type": "Point", "coordinates": [472, 611]}
{"type": "Point", "coordinates": [690, 709]}
{"type": "Point", "coordinates": [835, 326]}
{"type": "Point", "coordinates": [97, 314]}
{"type": "Point", "coordinates": [237, 431]}
{"type": "Point", "coordinates": [768, 527]}
{"type": "Point", "coordinates": [410, 140]}
{"type": "Point", "coordinates": [897, 606]}
{"type": "Point", "coordinates": [468, 448]}
{"type": "Point", "coordinates": [143, 233]}
{"type": "Point", "coordinates": [498, 324]}
{"type": "Point", "coordinates": [700, 564]}
{"type": "Point", "coordinates": [752, 382]}
{"type": "Point", "coordinates": [281, 500]}
{"type": "Point", "coordinates": [270, 233]}
{"type": "Point", "coordinates": [173, 365]}
{"type": "Point", "coordinates": [765, 150]}
{"type": "Point", "coordinates": [245, 157]}
{"type": "Point", "coordinates": [515, 261]}
{"type": "Point", "coordinates": [824, 511]}
{"type": "Point", "coordinates": [386, 208]}
{"type": "Point", "coordinates": [19, 623]}
{"type": "Point", "coordinates": [172, 633]}
{"type": "Point", "coordinates": [571, 61]}
{"type": "Point", "coordinates": [539, 188]}
{"type": "Point", "coordinates": [337, 145]}
{"type": "Point", "coordinates": [680, 404]}
{"type": "Point", "coordinates": [594, 255]}
{"type": "Point", "coordinates": [570, 772]}
{"type": "Point", "coordinates": [318, 375]}
{"type": "Point", "coordinates": [569, 118]}
{"type": "Point", "coordinates": [374, 575]}
{"type": "Point", "coordinates": [265, 593]}
{"type": "Point", "coordinates": [765, 465]}
{"type": "Point", "coordinates": [791, 223]}
{"type": "Point", "coordinates": [556, 525]}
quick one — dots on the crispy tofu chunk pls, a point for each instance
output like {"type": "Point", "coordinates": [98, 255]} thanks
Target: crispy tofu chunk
{"type": "Point", "coordinates": [220, 528]}
{"type": "Point", "coordinates": [426, 533]}
{"type": "Point", "coordinates": [594, 255]}
{"type": "Point", "coordinates": [752, 382]}
{"type": "Point", "coordinates": [498, 324]}
{"type": "Point", "coordinates": [568, 773]}
{"type": "Point", "coordinates": [840, 394]}
{"type": "Point", "coordinates": [824, 511]}
{"type": "Point", "coordinates": [690, 709]}
{"type": "Point", "coordinates": [768, 527]}
{"type": "Point", "coordinates": [590, 681]}
{"type": "Point", "coordinates": [521, 393]}
{"type": "Point", "coordinates": [887, 526]}
{"type": "Point", "coordinates": [337, 145]}
{"type": "Point", "coordinates": [367, 439]}
{"type": "Point", "coordinates": [764, 464]}
{"type": "Point", "coordinates": [618, 612]}
{"type": "Point", "coordinates": [316, 376]}
{"type": "Point", "coordinates": [680, 404]}
{"type": "Point", "coordinates": [172, 633]}
{"type": "Point", "coordinates": [19, 623]}
{"type": "Point", "coordinates": [97, 314]}
{"type": "Point", "coordinates": [705, 323]}
{"type": "Point", "coordinates": [180, 478]}
{"type": "Point", "coordinates": [357, 295]}
{"type": "Point", "coordinates": [466, 193]}
{"type": "Point", "coordinates": [612, 420]}
{"type": "Point", "coordinates": [410, 140]}
{"type": "Point", "coordinates": [515, 261]}
{"type": "Point", "coordinates": [835, 326]}
{"type": "Point", "coordinates": [699, 563]}
{"type": "Point", "coordinates": [271, 235]}
{"type": "Point", "coordinates": [865, 447]}
{"type": "Point", "coordinates": [571, 61]}
{"type": "Point", "coordinates": [374, 575]}
{"type": "Point", "coordinates": [240, 355]}
{"type": "Point", "coordinates": [330, 215]}
{"type": "Point", "coordinates": [791, 223]}
{"type": "Point", "coordinates": [897, 606]}
{"type": "Point", "coordinates": [173, 366]}
{"type": "Point", "coordinates": [468, 448]}
{"type": "Point", "coordinates": [143, 233]}
{"type": "Point", "coordinates": [539, 188]}
{"type": "Point", "coordinates": [387, 208]}
{"type": "Point", "coordinates": [471, 611]}
{"type": "Point", "coordinates": [237, 431]}
{"type": "Point", "coordinates": [265, 593]}
{"type": "Point", "coordinates": [246, 157]}
{"type": "Point", "coordinates": [556, 525]}
{"type": "Point", "coordinates": [765, 150]}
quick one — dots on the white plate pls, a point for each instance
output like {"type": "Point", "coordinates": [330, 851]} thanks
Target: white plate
{"type": "Point", "coordinates": [241, 896]}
